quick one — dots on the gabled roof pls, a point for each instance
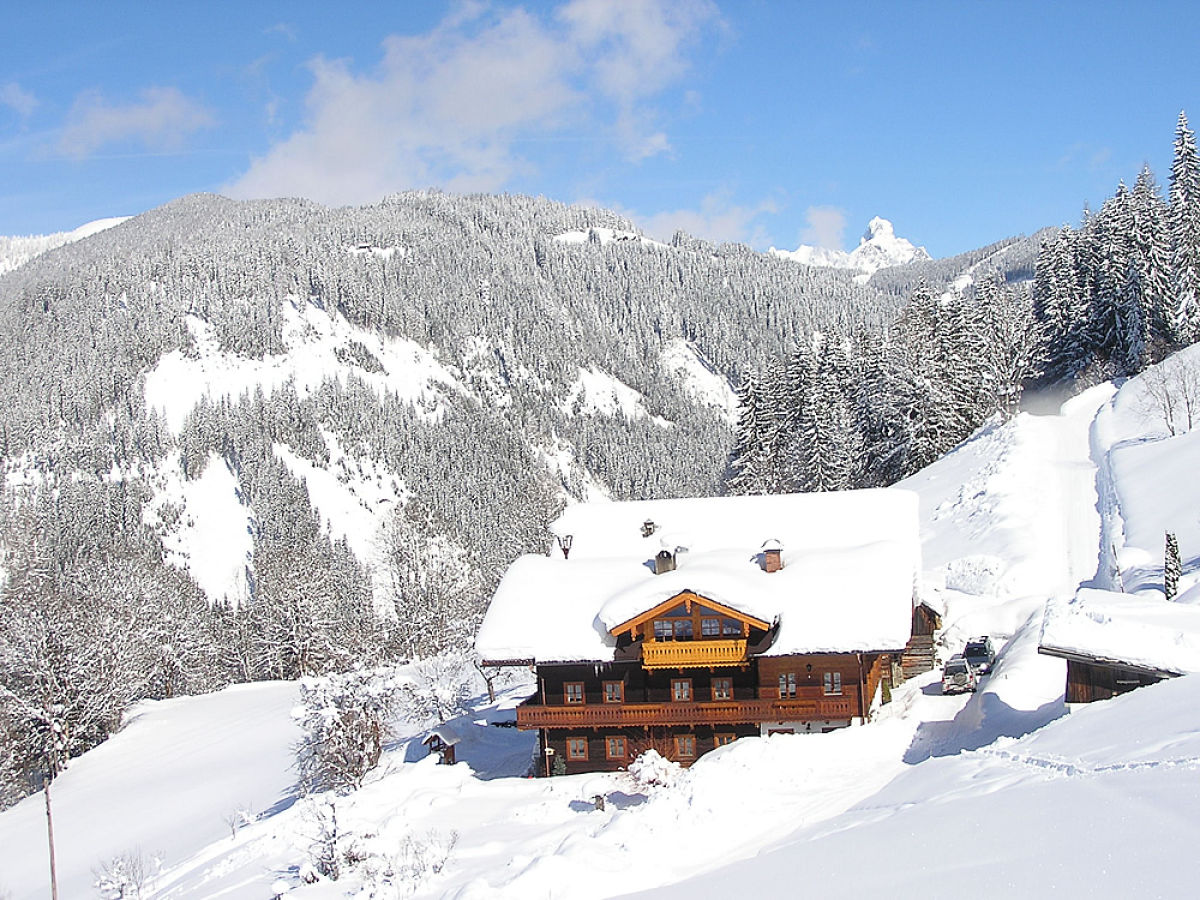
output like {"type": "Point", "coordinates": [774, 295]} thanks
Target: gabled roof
{"type": "Point", "coordinates": [1136, 631]}
{"type": "Point", "coordinates": [687, 598]}
{"type": "Point", "coordinates": [850, 564]}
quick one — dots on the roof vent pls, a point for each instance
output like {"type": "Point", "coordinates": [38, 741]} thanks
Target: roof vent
{"type": "Point", "coordinates": [648, 528]}
{"type": "Point", "coordinates": [664, 562]}
{"type": "Point", "coordinates": [772, 555]}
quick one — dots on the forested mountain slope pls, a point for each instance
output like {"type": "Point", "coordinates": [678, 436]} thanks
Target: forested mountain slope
{"type": "Point", "coordinates": [232, 429]}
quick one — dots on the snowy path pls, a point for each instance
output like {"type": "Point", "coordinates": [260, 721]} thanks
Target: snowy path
{"type": "Point", "coordinates": [1067, 436]}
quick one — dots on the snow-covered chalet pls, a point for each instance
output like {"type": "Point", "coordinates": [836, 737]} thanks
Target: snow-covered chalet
{"type": "Point", "coordinates": [1116, 642]}
{"type": "Point", "coordinates": [683, 625]}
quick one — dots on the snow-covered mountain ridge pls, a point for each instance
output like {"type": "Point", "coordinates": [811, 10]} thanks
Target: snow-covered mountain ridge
{"type": "Point", "coordinates": [17, 250]}
{"type": "Point", "coordinates": [878, 248]}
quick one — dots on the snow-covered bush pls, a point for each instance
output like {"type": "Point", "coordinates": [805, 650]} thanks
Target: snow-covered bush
{"type": "Point", "coordinates": [438, 688]}
{"type": "Point", "coordinates": [391, 876]}
{"type": "Point", "coordinates": [126, 875]}
{"type": "Point", "coordinates": [654, 772]}
{"type": "Point", "coordinates": [345, 719]}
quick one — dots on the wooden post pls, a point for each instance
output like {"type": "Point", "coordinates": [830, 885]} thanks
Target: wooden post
{"type": "Point", "coordinates": [50, 838]}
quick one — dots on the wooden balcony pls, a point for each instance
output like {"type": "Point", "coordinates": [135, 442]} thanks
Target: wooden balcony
{"type": "Point", "coordinates": [687, 654]}
{"type": "Point", "coordinates": [717, 712]}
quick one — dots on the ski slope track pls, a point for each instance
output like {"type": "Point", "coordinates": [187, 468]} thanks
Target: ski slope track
{"type": "Point", "coordinates": [1004, 792]}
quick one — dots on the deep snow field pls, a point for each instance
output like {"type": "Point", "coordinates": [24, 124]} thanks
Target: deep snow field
{"type": "Point", "coordinates": [1001, 793]}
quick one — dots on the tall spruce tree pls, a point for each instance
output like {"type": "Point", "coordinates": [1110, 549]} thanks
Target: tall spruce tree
{"type": "Point", "coordinates": [1185, 235]}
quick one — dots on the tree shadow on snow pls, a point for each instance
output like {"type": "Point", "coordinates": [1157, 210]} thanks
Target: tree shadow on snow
{"type": "Point", "coordinates": [984, 719]}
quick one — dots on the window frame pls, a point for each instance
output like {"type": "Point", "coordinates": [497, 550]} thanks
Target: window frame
{"type": "Point", "coordinates": [567, 693]}
{"type": "Point", "coordinates": [620, 691]}
{"type": "Point", "coordinates": [689, 694]}
{"type": "Point", "coordinates": [725, 682]}
{"type": "Point", "coordinates": [688, 740]}
{"type": "Point", "coordinates": [608, 745]}
{"type": "Point", "coordinates": [722, 738]}
{"type": "Point", "coordinates": [576, 744]}
{"type": "Point", "coordinates": [832, 683]}
{"type": "Point", "coordinates": [788, 685]}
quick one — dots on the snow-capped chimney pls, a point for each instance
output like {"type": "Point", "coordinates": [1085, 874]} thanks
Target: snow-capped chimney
{"type": "Point", "coordinates": [772, 555]}
{"type": "Point", "coordinates": [664, 562]}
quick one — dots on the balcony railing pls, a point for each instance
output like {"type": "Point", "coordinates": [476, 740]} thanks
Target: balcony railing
{"type": "Point", "coordinates": [682, 654]}
{"type": "Point", "coordinates": [718, 712]}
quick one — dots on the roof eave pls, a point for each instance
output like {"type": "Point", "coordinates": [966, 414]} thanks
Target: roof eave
{"type": "Point", "coordinates": [1096, 659]}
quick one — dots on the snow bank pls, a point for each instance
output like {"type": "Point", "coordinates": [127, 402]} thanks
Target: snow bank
{"type": "Point", "coordinates": [1092, 805]}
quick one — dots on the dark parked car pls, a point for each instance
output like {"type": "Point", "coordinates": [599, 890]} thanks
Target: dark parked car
{"type": "Point", "coordinates": [980, 653]}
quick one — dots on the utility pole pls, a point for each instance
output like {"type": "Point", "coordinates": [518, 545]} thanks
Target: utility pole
{"type": "Point", "coordinates": [50, 838]}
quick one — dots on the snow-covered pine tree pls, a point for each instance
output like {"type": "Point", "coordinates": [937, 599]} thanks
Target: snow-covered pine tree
{"type": "Point", "coordinates": [1172, 566]}
{"type": "Point", "coordinates": [748, 461]}
{"type": "Point", "coordinates": [1142, 305]}
{"type": "Point", "coordinates": [1185, 235]}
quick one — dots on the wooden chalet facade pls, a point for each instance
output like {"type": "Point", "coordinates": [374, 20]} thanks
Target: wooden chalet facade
{"type": "Point", "coordinates": [688, 681]}
{"type": "Point", "coordinates": [669, 666]}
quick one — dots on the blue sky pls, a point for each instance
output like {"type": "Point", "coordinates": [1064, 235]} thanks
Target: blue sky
{"type": "Point", "coordinates": [770, 123]}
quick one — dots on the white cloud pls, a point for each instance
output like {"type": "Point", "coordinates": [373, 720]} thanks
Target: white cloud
{"type": "Point", "coordinates": [162, 119]}
{"type": "Point", "coordinates": [717, 220]}
{"type": "Point", "coordinates": [17, 99]}
{"type": "Point", "coordinates": [826, 227]}
{"type": "Point", "coordinates": [450, 107]}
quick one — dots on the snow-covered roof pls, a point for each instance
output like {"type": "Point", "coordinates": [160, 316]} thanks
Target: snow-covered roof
{"type": "Point", "coordinates": [1141, 631]}
{"type": "Point", "coordinates": [850, 563]}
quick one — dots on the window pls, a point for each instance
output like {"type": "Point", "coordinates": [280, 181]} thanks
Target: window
{"type": "Point", "coordinates": [614, 747]}
{"type": "Point", "coordinates": [573, 691]}
{"type": "Point", "coordinates": [732, 627]}
{"type": "Point", "coordinates": [662, 629]}
{"type": "Point", "coordinates": [681, 689]}
{"type": "Point", "coordinates": [722, 688]}
{"type": "Point", "coordinates": [720, 740]}
{"type": "Point", "coordinates": [685, 746]}
{"type": "Point", "coordinates": [683, 629]}
{"type": "Point", "coordinates": [787, 684]}
{"type": "Point", "coordinates": [833, 682]}
{"type": "Point", "coordinates": [614, 692]}
{"type": "Point", "coordinates": [710, 627]}
{"type": "Point", "coordinates": [577, 748]}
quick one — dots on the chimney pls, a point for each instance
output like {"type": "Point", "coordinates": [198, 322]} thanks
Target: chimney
{"type": "Point", "coordinates": [772, 555]}
{"type": "Point", "coordinates": [664, 562]}
{"type": "Point", "coordinates": [648, 528]}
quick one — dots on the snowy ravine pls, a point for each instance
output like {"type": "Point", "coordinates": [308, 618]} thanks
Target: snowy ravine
{"type": "Point", "coordinates": [1002, 792]}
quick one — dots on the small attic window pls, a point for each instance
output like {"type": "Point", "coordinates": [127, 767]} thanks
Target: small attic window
{"type": "Point", "coordinates": [648, 528]}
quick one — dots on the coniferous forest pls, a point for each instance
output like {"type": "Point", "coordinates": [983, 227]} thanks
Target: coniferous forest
{"type": "Point", "coordinates": [1107, 299]}
{"type": "Point", "coordinates": [842, 384]}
